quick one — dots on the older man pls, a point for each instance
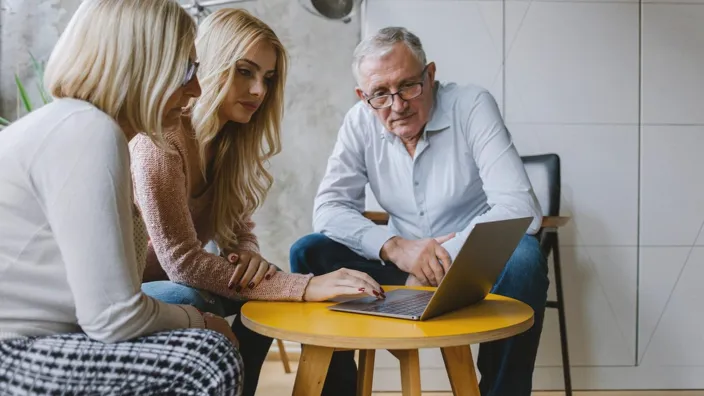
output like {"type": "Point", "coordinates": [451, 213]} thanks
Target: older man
{"type": "Point", "coordinates": [438, 159]}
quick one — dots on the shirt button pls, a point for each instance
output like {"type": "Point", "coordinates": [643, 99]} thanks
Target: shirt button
{"type": "Point", "coordinates": [422, 213]}
{"type": "Point", "coordinates": [416, 183]}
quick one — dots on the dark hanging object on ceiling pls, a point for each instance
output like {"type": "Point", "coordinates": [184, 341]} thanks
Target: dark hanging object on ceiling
{"type": "Point", "coordinates": [334, 9]}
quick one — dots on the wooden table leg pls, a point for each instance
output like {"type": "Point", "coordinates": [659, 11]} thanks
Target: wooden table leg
{"type": "Point", "coordinates": [365, 374]}
{"type": "Point", "coordinates": [284, 356]}
{"type": "Point", "coordinates": [460, 370]}
{"type": "Point", "coordinates": [312, 370]}
{"type": "Point", "coordinates": [410, 371]}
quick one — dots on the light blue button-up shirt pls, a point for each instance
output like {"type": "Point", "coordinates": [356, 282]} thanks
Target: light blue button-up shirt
{"type": "Point", "coordinates": [465, 170]}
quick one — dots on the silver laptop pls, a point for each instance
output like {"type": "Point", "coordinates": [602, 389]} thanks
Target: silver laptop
{"type": "Point", "coordinates": [469, 279]}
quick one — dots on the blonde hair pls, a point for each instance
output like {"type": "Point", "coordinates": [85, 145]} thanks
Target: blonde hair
{"type": "Point", "coordinates": [126, 57]}
{"type": "Point", "coordinates": [241, 151]}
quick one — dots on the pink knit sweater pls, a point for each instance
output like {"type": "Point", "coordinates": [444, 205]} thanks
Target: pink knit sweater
{"type": "Point", "coordinates": [179, 227]}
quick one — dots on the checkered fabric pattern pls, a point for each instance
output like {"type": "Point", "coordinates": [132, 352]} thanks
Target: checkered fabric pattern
{"type": "Point", "coordinates": [180, 362]}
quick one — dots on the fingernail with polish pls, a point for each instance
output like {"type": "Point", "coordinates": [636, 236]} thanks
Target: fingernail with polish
{"type": "Point", "coordinates": [267, 277]}
{"type": "Point", "coordinates": [251, 285]}
{"type": "Point", "coordinates": [238, 288]}
{"type": "Point", "coordinates": [361, 289]}
{"type": "Point", "coordinates": [376, 293]}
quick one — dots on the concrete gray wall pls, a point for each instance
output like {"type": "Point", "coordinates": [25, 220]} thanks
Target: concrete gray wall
{"type": "Point", "coordinates": [319, 92]}
{"type": "Point", "coordinates": [27, 26]}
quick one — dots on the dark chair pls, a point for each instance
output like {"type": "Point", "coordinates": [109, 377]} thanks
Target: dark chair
{"type": "Point", "coordinates": [544, 174]}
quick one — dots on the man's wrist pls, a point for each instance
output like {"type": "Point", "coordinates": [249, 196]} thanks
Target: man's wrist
{"type": "Point", "coordinates": [388, 249]}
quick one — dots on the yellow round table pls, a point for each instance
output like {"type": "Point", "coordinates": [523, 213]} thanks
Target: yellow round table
{"type": "Point", "coordinates": [321, 332]}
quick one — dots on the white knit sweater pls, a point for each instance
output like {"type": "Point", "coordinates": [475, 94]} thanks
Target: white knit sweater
{"type": "Point", "coordinates": [67, 253]}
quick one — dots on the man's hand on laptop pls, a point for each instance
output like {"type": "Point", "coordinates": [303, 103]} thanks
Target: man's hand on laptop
{"type": "Point", "coordinates": [425, 259]}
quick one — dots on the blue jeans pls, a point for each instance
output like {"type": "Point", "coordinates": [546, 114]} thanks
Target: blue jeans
{"type": "Point", "coordinates": [506, 365]}
{"type": "Point", "coordinates": [253, 346]}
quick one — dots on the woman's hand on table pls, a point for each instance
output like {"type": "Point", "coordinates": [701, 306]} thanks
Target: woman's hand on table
{"type": "Point", "coordinates": [342, 282]}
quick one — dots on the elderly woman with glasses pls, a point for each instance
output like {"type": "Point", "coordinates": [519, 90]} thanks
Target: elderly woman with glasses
{"type": "Point", "coordinates": [438, 159]}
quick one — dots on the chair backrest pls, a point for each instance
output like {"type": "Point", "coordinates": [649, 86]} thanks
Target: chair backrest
{"type": "Point", "coordinates": [544, 174]}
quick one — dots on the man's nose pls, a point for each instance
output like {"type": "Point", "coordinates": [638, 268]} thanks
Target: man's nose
{"type": "Point", "coordinates": [399, 105]}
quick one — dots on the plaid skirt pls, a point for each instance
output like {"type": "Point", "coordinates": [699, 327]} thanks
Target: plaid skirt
{"type": "Point", "coordinates": [180, 362]}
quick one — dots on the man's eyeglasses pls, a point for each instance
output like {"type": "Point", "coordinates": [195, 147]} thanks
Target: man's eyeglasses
{"type": "Point", "coordinates": [191, 71]}
{"type": "Point", "coordinates": [406, 92]}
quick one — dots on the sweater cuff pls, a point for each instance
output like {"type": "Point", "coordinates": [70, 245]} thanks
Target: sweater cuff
{"type": "Point", "coordinates": [296, 288]}
{"type": "Point", "coordinates": [373, 240]}
{"type": "Point", "coordinates": [195, 318]}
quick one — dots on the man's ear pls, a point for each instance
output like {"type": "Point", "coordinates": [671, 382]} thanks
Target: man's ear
{"type": "Point", "coordinates": [359, 93]}
{"type": "Point", "coordinates": [431, 71]}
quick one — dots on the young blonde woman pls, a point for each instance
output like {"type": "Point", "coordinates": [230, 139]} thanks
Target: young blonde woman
{"type": "Point", "coordinates": [212, 179]}
{"type": "Point", "coordinates": [72, 317]}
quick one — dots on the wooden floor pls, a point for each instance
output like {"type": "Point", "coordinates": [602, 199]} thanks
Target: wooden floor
{"type": "Point", "coordinates": [274, 382]}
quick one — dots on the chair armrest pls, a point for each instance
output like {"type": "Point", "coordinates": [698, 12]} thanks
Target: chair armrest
{"type": "Point", "coordinates": [382, 218]}
{"type": "Point", "coordinates": [379, 218]}
{"type": "Point", "coordinates": [555, 221]}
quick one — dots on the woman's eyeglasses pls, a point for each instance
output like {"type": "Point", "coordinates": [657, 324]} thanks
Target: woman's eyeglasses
{"type": "Point", "coordinates": [191, 72]}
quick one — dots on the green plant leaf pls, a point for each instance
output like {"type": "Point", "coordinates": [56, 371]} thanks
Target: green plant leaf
{"type": "Point", "coordinates": [39, 71]}
{"type": "Point", "coordinates": [23, 94]}
{"type": "Point", "coordinates": [42, 93]}
{"type": "Point", "coordinates": [4, 122]}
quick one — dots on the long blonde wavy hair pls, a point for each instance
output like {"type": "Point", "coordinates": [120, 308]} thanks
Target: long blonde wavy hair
{"type": "Point", "coordinates": [241, 151]}
{"type": "Point", "coordinates": [126, 57]}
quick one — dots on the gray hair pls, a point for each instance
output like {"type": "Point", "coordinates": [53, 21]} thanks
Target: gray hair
{"type": "Point", "coordinates": [382, 41]}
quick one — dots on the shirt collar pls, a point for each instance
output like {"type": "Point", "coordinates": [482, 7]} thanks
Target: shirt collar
{"type": "Point", "coordinates": [439, 119]}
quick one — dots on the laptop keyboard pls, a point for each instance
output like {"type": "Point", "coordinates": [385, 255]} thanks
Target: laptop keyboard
{"type": "Point", "coordinates": [411, 305]}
